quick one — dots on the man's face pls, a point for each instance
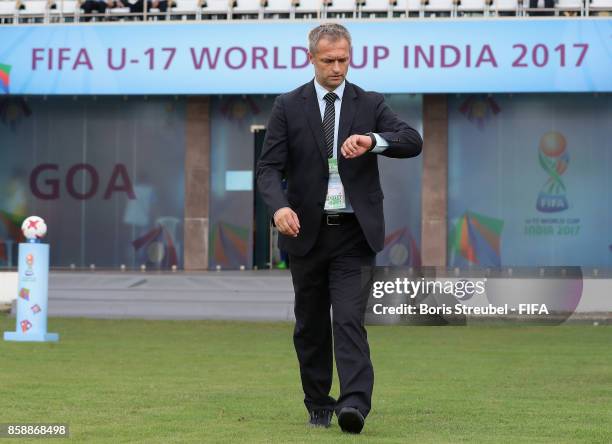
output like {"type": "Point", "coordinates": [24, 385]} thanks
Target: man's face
{"type": "Point", "coordinates": [331, 62]}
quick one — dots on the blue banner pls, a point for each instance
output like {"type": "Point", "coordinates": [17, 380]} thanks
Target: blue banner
{"type": "Point", "coordinates": [415, 56]}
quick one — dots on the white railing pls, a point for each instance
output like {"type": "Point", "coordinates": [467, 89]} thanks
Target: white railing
{"type": "Point", "coordinates": [73, 11]}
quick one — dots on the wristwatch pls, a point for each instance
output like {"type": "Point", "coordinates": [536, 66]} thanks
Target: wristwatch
{"type": "Point", "coordinates": [373, 140]}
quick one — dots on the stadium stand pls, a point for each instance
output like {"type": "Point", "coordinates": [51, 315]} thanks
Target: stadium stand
{"type": "Point", "coordinates": [66, 11]}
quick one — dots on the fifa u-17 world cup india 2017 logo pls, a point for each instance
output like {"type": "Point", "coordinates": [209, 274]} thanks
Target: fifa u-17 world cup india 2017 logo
{"type": "Point", "coordinates": [30, 264]}
{"type": "Point", "coordinates": [554, 160]}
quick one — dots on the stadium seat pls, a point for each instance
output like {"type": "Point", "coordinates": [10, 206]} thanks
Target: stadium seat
{"type": "Point", "coordinates": [416, 8]}
{"type": "Point", "coordinates": [469, 7]}
{"type": "Point", "coordinates": [8, 11]}
{"type": "Point", "coordinates": [34, 11]}
{"type": "Point", "coordinates": [117, 12]}
{"type": "Point", "coordinates": [375, 8]}
{"type": "Point", "coordinates": [153, 13]}
{"type": "Point", "coordinates": [569, 6]}
{"type": "Point", "coordinates": [598, 6]}
{"type": "Point", "coordinates": [278, 9]}
{"type": "Point", "coordinates": [65, 9]}
{"type": "Point", "coordinates": [248, 9]}
{"type": "Point", "coordinates": [439, 7]}
{"type": "Point", "coordinates": [408, 8]}
{"type": "Point", "coordinates": [506, 7]}
{"type": "Point", "coordinates": [539, 10]}
{"type": "Point", "coordinates": [217, 9]}
{"type": "Point", "coordinates": [186, 9]}
{"type": "Point", "coordinates": [307, 8]}
{"type": "Point", "coordinates": [339, 9]}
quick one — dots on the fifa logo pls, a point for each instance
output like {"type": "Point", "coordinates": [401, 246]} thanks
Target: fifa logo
{"type": "Point", "coordinates": [30, 263]}
{"type": "Point", "coordinates": [554, 159]}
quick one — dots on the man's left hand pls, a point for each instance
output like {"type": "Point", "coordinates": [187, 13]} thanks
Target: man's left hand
{"type": "Point", "coordinates": [355, 146]}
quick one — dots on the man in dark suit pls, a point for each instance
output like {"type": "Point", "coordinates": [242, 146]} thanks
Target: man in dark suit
{"type": "Point", "coordinates": [325, 138]}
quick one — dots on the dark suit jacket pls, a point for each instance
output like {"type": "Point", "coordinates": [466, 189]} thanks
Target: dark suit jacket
{"type": "Point", "coordinates": [294, 147]}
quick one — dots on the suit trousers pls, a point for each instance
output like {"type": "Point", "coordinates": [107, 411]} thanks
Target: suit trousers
{"type": "Point", "coordinates": [330, 275]}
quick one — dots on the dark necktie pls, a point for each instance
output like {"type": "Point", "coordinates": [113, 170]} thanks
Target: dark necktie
{"type": "Point", "coordinates": [329, 122]}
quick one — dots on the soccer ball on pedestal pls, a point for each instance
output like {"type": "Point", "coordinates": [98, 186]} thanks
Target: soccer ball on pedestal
{"type": "Point", "coordinates": [34, 227]}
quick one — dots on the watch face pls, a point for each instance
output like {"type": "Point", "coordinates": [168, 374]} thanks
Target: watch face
{"type": "Point", "coordinates": [373, 140]}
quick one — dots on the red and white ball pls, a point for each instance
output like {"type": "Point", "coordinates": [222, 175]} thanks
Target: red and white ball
{"type": "Point", "coordinates": [34, 227]}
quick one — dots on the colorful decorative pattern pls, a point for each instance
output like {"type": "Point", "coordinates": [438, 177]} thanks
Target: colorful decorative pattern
{"type": "Point", "coordinates": [400, 250]}
{"type": "Point", "coordinates": [229, 245]}
{"type": "Point", "coordinates": [12, 225]}
{"type": "Point", "coordinates": [24, 293]}
{"type": "Point", "coordinates": [5, 71]}
{"type": "Point", "coordinates": [12, 228]}
{"type": "Point", "coordinates": [475, 239]}
{"type": "Point", "coordinates": [158, 246]}
{"type": "Point", "coordinates": [35, 308]}
{"type": "Point", "coordinates": [25, 325]}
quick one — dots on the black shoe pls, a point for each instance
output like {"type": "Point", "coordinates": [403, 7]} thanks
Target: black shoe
{"type": "Point", "coordinates": [350, 420]}
{"type": "Point", "coordinates": [321, 417]}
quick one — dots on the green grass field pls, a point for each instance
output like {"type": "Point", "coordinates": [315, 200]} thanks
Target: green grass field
{"type": "Point", "coordinates": [169, 381]}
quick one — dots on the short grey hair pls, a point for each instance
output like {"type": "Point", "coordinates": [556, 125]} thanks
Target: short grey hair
{"type": "Point", "coordinates": [331, 31]}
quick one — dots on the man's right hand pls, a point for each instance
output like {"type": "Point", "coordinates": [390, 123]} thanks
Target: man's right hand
{"type": "Point", "coordinates": [287, 222]}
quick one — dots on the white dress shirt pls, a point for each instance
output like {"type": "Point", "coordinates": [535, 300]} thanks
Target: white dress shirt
{"type": "Point", "coordinates": [381, 144]}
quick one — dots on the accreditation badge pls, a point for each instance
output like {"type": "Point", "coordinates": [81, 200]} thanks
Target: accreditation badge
{"type": "Point", "coordinates": [335, 190]}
